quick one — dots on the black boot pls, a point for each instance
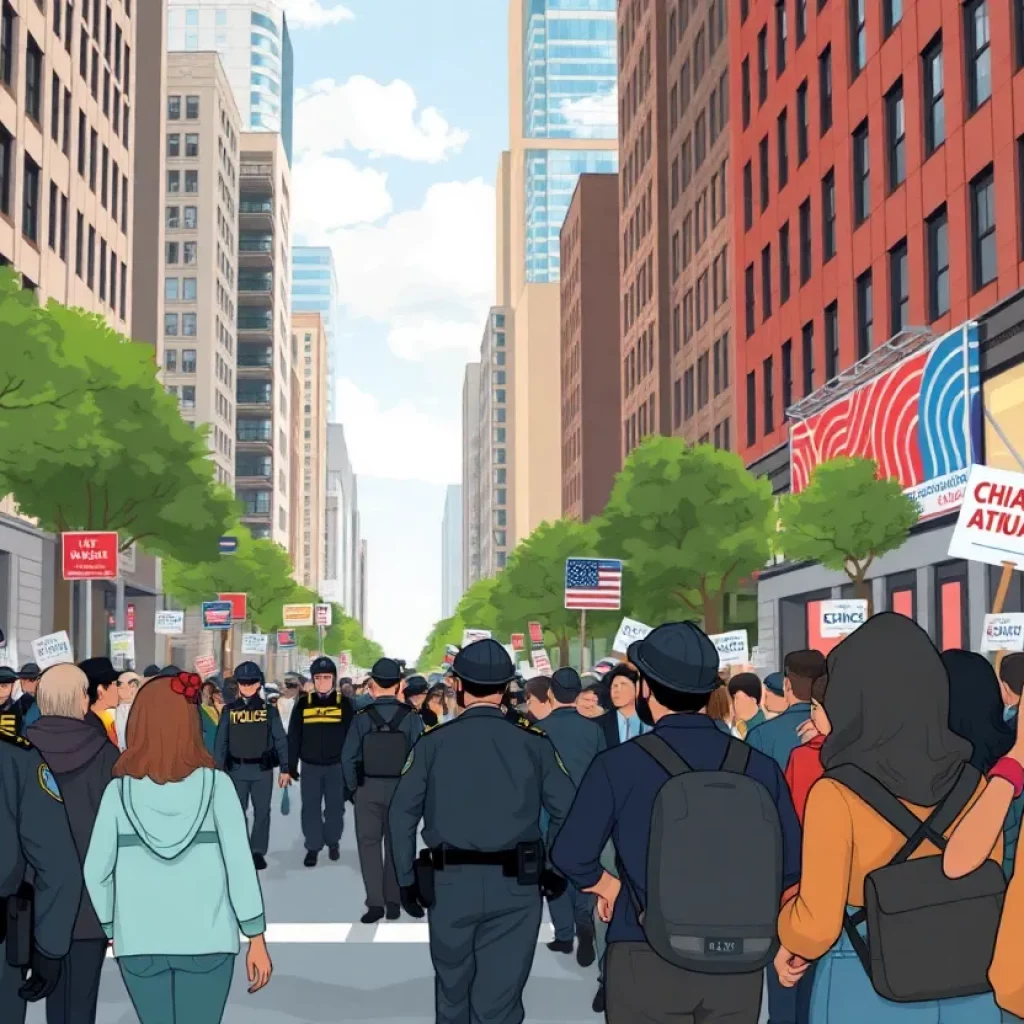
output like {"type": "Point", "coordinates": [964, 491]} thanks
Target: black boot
{"type": "Point", "coordinates": [585, 952]}
{"type": "Point", "coordinates": [310, 859]}
{"type": "Point", "coordinates": [259, 862]}
{"type": "Point", "coordinates": [598, 1004]}
{"type": "Point", "coordinates": [560, 947]}
{"type": "Point", "coordinates": [334, 853]}
{"type": "Point", "coordinates": [372, 915]}
{"type": "Point", "coordinates": [393, 912]}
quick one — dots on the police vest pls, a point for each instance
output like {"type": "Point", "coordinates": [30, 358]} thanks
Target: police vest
{"type": "Point", "coordinates": [323, 729]}
{"type": "Point", "coordinates": [248, 731]}
{"type": "Point", "coordinates": [10, 719]}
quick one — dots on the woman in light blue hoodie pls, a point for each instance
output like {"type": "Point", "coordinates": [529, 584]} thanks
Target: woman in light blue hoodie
{"type": "Point", "coordinates": [169, 828]}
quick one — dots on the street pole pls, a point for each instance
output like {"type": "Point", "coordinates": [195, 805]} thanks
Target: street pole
{"type": "Point", "coordinates": [320, 631]}
{"type": "Point", "coordinates": [583, 640]}
{"type": "Point", "coordinates": [88, 618]}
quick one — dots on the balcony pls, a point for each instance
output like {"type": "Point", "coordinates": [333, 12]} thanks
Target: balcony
{"type": "Point", "coordinates": [257, 212]}
{"type": "Point", "coordinates": [255, 286]}
{"type": "Point", "coordinates": [253, 175]}
{"type": "Point", "coordinates": [253, 470]}
{"type": "Point", "coordinates": [253, 395]}
{"type": "Point", "coordinates": [254, 436]}
{"type": "Point", "coordinates": [255, 323]}
{"type": "Point", "coordinates": [256, 251]}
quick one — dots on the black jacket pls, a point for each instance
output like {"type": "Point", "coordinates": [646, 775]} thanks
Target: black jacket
{"type": "Point", "coordinates": [81, 758]}
{"type": "Point", "coordinates": [317, 729]}
{"type": "Point", "coordinates": [610, 724]}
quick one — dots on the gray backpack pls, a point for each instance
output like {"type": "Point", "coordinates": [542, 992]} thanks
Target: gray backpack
{"type": "Point", "coordinates": [714, 865]}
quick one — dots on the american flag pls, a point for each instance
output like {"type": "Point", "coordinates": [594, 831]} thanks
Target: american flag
{"type": "Point", "coordinates": [593, 583]}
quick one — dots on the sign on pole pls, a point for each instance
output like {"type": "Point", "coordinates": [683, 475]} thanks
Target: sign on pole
{"type": "Point", "coordinates": [206, 665]}
{"type": "Point", "coordinates": [216, 615]}
{"type": "Point", "coordinates": [122, 646]}
{"type": "Point", "coordinates": [53, 649]}
{"type": "Point", "coordinates": [518, 641]}
{"type": "Point", "coordinates": [129, 618]}
{"type": "Point", "coordinates": [470, 636]}
{"type": "Point", "coordinates": [732, 647]}
{"type": "Point", "coordinates": [593, 584]}
{"type": "Point", "coordinates": [536, 633]}
{"type": "Point", "coordinates": [541, 661]}
{"type": "Point", "coordinates": [990, 526]}
{"type": "Point", "coordinates": [228, 545]}
{"type": "Point", "coordinates": [1003, 633]}
{"type": "Point", "coordinates": [630, 630]}
{"type": "Point", "coordinates": [89, 555]}
{"type": "Point", "coordinates": [286, 638]}
{"type": "Point", "coordinates": [322, 614]}
{"type": "Point", "coordinates": [239, 606]}
{"type": "Point", "coordinates": [254, 643]}
{"type": "Point", "coordinates": [345, 661]}
{"type": "Point", "coordinates": [296, 615]}
{"type": "Point", "coordinates": [840, 618]}
{"type": "Point", "coordinates": [169, 623]}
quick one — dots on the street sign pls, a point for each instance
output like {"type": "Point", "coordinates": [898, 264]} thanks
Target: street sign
{"type": "Point", "coordinates": [286, 638]}
{"type": "Point", "coordinates": [129, 618]}
{"type": "Point", "coordinates": [169, 623]}
{"type": "Point", "coordinates": [53, 649]}
{"type": "Point", "coordinates": [254, 643]}
{"type": "Point", "coordinates": [216, 615]}
{"type": "Point", "coordinates": [206, 665]}
{"type": "Point", "coordinates": [228, 545]}
{"type": "Point", "coordinates": [295, 615]}
{"type": "Point", "coordinates": [89, 555]}
{"type": "Point", "coordinates": [322, 614]}
{"type": "Point", "coordinates": [238, 603]}
{"type": "Point", "coordinates": [732, 647]}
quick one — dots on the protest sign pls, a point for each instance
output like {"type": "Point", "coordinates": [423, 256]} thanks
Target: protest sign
{"type": "Point", "coordinates": [89, 555]}
{"type": "Point", "coordinates": [1003, 633]}
{"type": "Point", "coordinates": [239, 605]}
{"type": "Point", "coordinates": [536, 633]}
{"type": "Point", "coordinates": [732, 647]}
{"type": "Point", "coordinates": [470, 636]}
{"type": "Point", "coordinates": [286, 638]}
{"type": "Point", "coordinates": [53, 649]}
{"type": "Point", "coordinates": [990, 526]}
{"type": "Point", "coordinates": [254, 643]}
{"type": "Point", "coordinates": [322, 614]}
{"type": "Point", "coordinates": [293, 615]}
{"type": "Point", "coordinates": [122, 645]}
{"type": "Point", "coordinates": [168, 623]}
{"type": "Point", "coordinates": [518, 641]}
{"type": "Point", "coordinates": [216, 615]}
{"type": "Point", "coordinates": [206, 665]}
{"type": "Point", "coordinates": [840, 618]}
{"type": "Point", "coordinates": [630, 630]}
{"type": "Point", "coordinates": [541, 661]}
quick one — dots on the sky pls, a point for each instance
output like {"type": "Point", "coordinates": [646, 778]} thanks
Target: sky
{"type": "Point", "coordinates": [401, 115]}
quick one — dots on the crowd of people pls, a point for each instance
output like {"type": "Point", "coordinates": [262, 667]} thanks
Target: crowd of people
{"type": "Point", "coordinates": [862, 812]}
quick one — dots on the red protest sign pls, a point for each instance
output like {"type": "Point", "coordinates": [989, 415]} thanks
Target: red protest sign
{"type": "Point", "coordinates": [89, 555]}
{"type": "Point", "coordinates": [518, 641]}
{"type": "Point", "coordinates": [238, 606]}
{"type": "Point", "coordinates": [536, 633]}
{"type": "Point", "coordinates": [129, 618]}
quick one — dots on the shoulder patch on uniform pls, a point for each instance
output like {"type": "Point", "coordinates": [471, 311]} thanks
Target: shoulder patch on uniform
{"type": "Point", "coordinates": [530, 727]}
{"type": "Point", "coordinates": [47, 783]}
{"type": "Point", "coordinates": [15, 740]}
{"type": "Point", "coordinates": [408, 761]}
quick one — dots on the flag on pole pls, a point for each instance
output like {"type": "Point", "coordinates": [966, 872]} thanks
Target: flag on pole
{"type": "Point", "coordinates": [593, 584]}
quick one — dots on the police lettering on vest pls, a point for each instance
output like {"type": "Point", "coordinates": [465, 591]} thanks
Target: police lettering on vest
{"type": "Point", "coordinates": [248, 732]}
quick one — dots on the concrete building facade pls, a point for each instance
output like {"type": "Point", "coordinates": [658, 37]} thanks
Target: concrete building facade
{"type": "Point", "coordinates": [263, 393]}
{"type": "Point", "coordinates": [590, 346]}
{"type": "Point", "coordinates": [200, 276]}
{"type": "Point", "coordinates": [451, 551]}
{"type": "Point", "coordinates": [471, 499]}
{"type": "Point", "coordinates": [341, 582]}
{"type": "Point", "coordinates": [492, 445]}
{"type": "Point", "coordinates": [315, 290]}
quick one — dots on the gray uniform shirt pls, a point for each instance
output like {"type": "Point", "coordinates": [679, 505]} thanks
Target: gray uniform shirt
{"type": "Point", "coordinates": [352, 751]}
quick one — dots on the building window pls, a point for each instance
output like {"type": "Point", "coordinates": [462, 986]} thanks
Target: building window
{"type": "Point", "coordinates": [748, 196]}
{"type": "Point", "coordinates": [748, 279]}
{"type": "Point", "coordinates": [745, 89]}
{"type": "Point", "coordinates": [805, 241]}
{"type": "Point", "coordinates": [787, 376]}
{"type": "Point", "coordinates": [174, 145]}
{"type": "Point", "coordinates": [831, 341]}
{"type": "Point", "coordinates": [188, 328]}
{"type": "Point", "coordinates": [30, 201]}
{"type": "Point", "coordinates": [858, 36]}
{"type": "Point", "coordinates": [766, 282]}
{"type": "Point", "coordinates": [171, 356]}
{"type": "Point", "coordinates": [828, 216]}
{"type": "Point", "coordinates": [7, 150]}
{"type": "Point", "coordinates": [938, 264]}
{"type": "Point", "coordinates": [751, 409]}
{"type": "Point", "coordinates": [781, 38]}
{"type": "Point", "coordinates": [191, 181]}
{"type": "Point", "coordinates": [765, 173]}
{"type": "Point", "coordinates": [767, 384]}
{"type": "Point", "coordinates": [825, 88]}
{"type": "Point", "coordinates": [983, 228]}
{"type": "Point", "coordinates": [802, 123]}
{"type": "Point", "coordinates": [52, 219]}
{"type": "Point", "coordinates": [8, 27]}
{"type": "Point", "coordinates": [191, 145]}
{"type": "Point", "coordinates": [896, 135]}
{"type": "Point", "coordinates": [865, 315]}
{"type": "Point", "coordinates": [783, 144]}
{"type": "Point", "coordinates": [171, 290]}
{"type": "Point", "coordinates": [762, 66]}
{"type": "Point", "coordinates": [173, 108]}
{"type": "Point", "coordinates": [899, 288]}
{"type": "Point", "coordinates": [861, 174]}
{"type": "Point", "coordinates": [174, 181]}
{"type": "Point", "coordinates": [33, 80]}
{"type": "Point", "coordinates": [807, 346]}
{"type": "Point", "coordinates": [192, 108]}
{"type": "Point", "coordinates": [934, 97]}
{"type": "Point", "coordinates": [703, 388]}
{"type": "Point", "coordinates": [977, 43]}
{"type": "Point", "coordinates": [892, 14]}
{"type": "Point", "coordinates": [784, 267]}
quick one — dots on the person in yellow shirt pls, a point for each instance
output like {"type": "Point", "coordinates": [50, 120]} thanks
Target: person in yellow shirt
{"type": "Point", "coordinates": [103, 693]}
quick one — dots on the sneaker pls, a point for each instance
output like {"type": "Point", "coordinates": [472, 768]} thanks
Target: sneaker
{"type": "Point", "coordinates": [259, 861]}
{"type": "Point", "coordinates": [585, 952]}
{"type": "Point", "coordinates": [560, 947]}
{"type": "Point", "coordinates": [310, 859]}
{"type": "Point", "coordinates": [334, 853]}
{"type": "Point", "coordinates": [372, 915]}
{"type": "Point", "coordinates": [393, 912]}
{"type": "Point", "coordinates": [598, 1004]}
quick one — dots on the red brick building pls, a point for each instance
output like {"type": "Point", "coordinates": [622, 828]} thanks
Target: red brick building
{"type": "Point", "coordinates": [876, 179]}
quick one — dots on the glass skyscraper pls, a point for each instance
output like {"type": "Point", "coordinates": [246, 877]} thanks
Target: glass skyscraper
{"type": "Point", "coordinates": [315, 290]}
{"type": "Point", "coordinates": [570, 79]}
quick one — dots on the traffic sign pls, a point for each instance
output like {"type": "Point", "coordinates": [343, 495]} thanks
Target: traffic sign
{"type": "Point", "coordinates": [228, 545]}
{"type": "Point", "coordinates": [90, 555]}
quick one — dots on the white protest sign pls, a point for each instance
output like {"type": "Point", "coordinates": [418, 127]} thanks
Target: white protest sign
{"type": "Point", "coordinates": [470, 636]}
{"type": "Point", "coordinates": [345, 660]}
{"type": "Point", "coordinates": [732, 647]}
{"type": "Point", "coordinates": [629, 632]}
{"type": "Point", "coordinates": [541, 661]}
{"type": "Point", "coordinates": [168, 623]}
{"type": "Point", "coordinates": [840, 618]}
{"type": "Point", "coordinates": [255, 643]}
{"type": "Point", "coordinates": [990, 527]}
{"type": "Point", "coordinates": [1003, 633]}
{"type": "Point", "coordinates": [322, 614]}
{"type": "Point", "coordinates": [122, 645]}
{"type": "Point", "coordinates": [53, 649]}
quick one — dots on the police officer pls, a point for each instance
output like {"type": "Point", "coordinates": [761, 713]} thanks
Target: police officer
{"type": "Point", "coordinates": [250, 741]}
{"type": "Point", "coordinates": [319, 722]}
{"type": "Point", "coordinates": [415, 692]}
{"type": "Point", "coordinates": [10, 713]}
{"type": "Point", "coordinates": [28, 676]}
{"type": "Point", "coordinates": [486, 857]}
{"type": "Point", "coordinates": [37, 920]}
{"type": "Point", "coordinates": [578, 741]}
{"type": "Point", "coordinates": [375, 750]}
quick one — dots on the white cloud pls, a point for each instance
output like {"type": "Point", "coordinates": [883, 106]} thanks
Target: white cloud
{"type": "Point", "coordinates": [397, 441]}
{"type": "Point", "coordinates": [315, 13]}
{"type": "Point", "coordinates": [592, 116]}
{"type": "Point", "coordinates": [332, 191]}
{"type": "Point", "coordinates": [418, 340]}
{"type": "Point", "coordinates": [381, 120]}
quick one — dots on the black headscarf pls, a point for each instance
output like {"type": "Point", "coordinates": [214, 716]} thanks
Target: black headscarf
{"type": "Point", "coordinates": [976, 707]}
{"type": "Point", "coordinates": [888, 702]}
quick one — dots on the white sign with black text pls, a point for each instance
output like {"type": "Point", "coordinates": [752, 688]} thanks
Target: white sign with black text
{"type": "Point", "coordinates": [1003, 633]}
{"type": "Point", "coordinates": [840, 618]}
{"type": "Point", "coordinates": [732, 647]}
{"type": "Point", "coordinates": [53, 649]}
{"type": "Point", "coordinates": [630, 630]}
{"type": "Point", "coordinates": [255, 643]}
{"type": "Point", "coordinates": [169, 623]}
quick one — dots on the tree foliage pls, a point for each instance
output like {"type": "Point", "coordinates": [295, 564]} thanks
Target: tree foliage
{"type": "Point", "coordinates": [92, 441]}
{"type": "Point", "coordinates": [445, 632]}
{"type": "Point", "coordinates": [691, 523]}
{"type": "Point", "coordinates": [344, 634]}
{"type": "Point", "coordinates": [846, 518]}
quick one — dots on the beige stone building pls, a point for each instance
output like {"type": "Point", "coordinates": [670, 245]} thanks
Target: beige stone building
{"type": "Point", "coordinates": [200, 283]}
{"type": "Point", "coordinates": [310, 343]}
{"type": "Point", "coordinates": [263, 392]}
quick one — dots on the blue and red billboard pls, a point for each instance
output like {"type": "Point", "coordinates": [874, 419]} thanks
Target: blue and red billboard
{"type": "Point", "coordinates": [216, 615]}
{"type": "Point", "coordinates": [920, 421]}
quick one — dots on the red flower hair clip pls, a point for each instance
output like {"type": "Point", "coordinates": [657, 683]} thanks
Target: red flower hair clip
{"type": "Point", "coordinates": [189, 685]}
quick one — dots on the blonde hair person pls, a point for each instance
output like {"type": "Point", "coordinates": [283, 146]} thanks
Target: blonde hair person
{"type": "Point", "coordinates": [63, 693]}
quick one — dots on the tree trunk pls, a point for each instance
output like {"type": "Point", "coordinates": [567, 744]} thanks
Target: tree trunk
{"type": "Point", "coordinates": [563, 649]}
{"type": "Point", "coordinates": [713, 614]}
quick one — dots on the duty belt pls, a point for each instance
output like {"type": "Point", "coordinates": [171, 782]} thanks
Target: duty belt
{"type": "Point", "coordinates": [247, 760]}
{"type": "Point", "coordinates": [442, 857]}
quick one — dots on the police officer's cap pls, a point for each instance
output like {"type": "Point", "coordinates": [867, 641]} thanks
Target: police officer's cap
{"type": "Point", "coordinates": [7, 675]}
{"type": "Point", "coordinates": [678, 655]}
{"type": "Point", "coordinates": [386, 671]}
{"type": "Point", "coordinates": [566, 684]}
{"type": "Point", "coordinates": [485, 663]}
{"type": "Point", "coordinates": [775, 681]}
{"type": "Point", "coordinates": [30, 671]}
{"type": "Point", "coordinates": [150, 671]}
{"type": "Point", "coordinates": [322, 667]}
{"type": "Point", "coordinates": [248, 673]}
{"type": "Point", "coordinates": [415, 685]}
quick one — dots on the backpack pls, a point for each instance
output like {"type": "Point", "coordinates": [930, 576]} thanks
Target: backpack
{"type": "Point", "coordinates": [385, 747]}
{"type": "Point", "coordinates": [721, 921]}
{"type": "Point", "coordinates": [928, 936]}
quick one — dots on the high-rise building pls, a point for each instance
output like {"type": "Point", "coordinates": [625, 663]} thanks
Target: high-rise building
{"type": "Point", "coordinates": [451, 551]}
{"type": "Point", "coordinates": [362, 587]}
{"type": "Point", "coordinates": [493, 513]}
{"type": "Point", "coordinates": [315, 290]}
{"type": "Point", "coordinates": [563, 118]}
{"type": "Point", "coordinates": [252, 39]}
{"type": "Point", "coordinates": [590, 346]}
{"type": "Point", "coordinates": [340, 582]}
{"type": "Point", "coordinates": [200, 282]}
{"type": "Point", "coordinates": [471, 563]}
{"type": "Point", "coordinates": [311, 341]}
{"type": "Point", "coordinates": [263, 393]}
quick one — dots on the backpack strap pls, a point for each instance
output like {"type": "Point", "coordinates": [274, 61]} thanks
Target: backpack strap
{"type": "Point", "coordinates": [878, 798]}
{"type": "Point", "coordinates": [378, 719]}
{"type": "Point", "coordinates": [934, 827]}
{"type": "Point", "coordinates": [396, 719]}
{"type": "Point", "coordinates": [654, 746]}
{"type": "Point", "coordinates": [737, 756]}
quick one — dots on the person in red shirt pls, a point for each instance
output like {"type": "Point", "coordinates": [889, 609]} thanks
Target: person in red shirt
{"type": "Point", "coordinates": [805, 767]}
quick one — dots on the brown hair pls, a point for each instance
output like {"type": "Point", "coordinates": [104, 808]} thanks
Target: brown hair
{"type": "Point", "coordinates": [719, 705]}
{"type": "Point", "coordinates": [818, 689]}
{"type": "Point", "coordinates": [164, 737]}
{"type": "Point", "coordinates": [802, 669]}
{"type": "Point", "coordinates": [539, 687]}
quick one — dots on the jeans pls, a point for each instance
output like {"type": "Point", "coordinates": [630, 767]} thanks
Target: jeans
{"type": "Point", "coordinates": [178, 989]}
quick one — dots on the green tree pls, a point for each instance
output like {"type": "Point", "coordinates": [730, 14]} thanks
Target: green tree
{"type": "Point", "coordinates": [477, 607]}
{"type": "Point", "coordinates": [690, 523]}
{"type": "Point", "coordinates": [92, 441]}
{"type": "Point", "coordinates": [846, 518]}
{"type": "Point", "coordinates": [445, 632]}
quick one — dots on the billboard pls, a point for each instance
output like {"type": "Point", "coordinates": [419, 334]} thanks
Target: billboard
{"type": "Point", "coordinates": [920, 421]}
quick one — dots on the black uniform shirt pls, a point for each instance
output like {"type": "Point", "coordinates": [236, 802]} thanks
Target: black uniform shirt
{"type": "Point", "coordinates": [352, 752]}
{"type": "Point", "coordinates": [247, 730]}
{"type": "Point", "coordinates": [317, 728]}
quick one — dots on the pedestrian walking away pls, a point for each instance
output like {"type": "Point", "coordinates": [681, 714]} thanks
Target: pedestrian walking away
{"type": "Point", "coordinates": [375, 750]}
{"type": "Point", "coordinates": [28, 676]}
{"type": "Point", "coordinates": [319, 722]}
{"type": "Point", "coordinates": [485, 867]}
{"type": "Point", "coordinates": [250, 744]}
